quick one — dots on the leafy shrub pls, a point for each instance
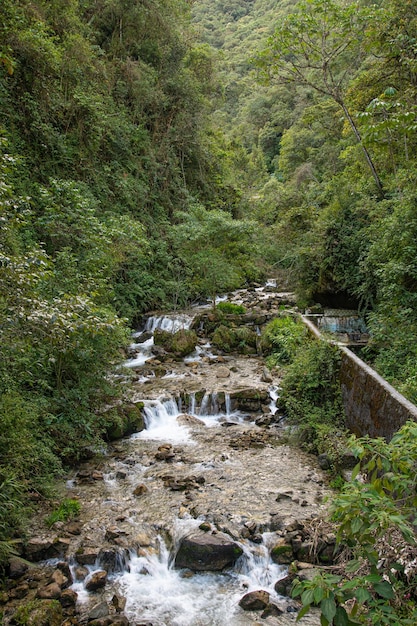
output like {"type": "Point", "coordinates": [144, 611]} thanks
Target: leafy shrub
{"type": "Point", "coordinates": [229, 308]}
{"type": "Point", "coordinates": [67, 510]}
{"type": "Point", "coordinates": [376, 522]}
{"type": "Point", "coordinates": [281, 339]}
{"type": "Point", "coordinates": [311, 397]}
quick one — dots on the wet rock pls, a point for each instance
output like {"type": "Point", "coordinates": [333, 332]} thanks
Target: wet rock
{"type": "Point", "coordinates": [65, 569]}
{"type": "Point", "coordinates": [272, 610]}
{"type": "Point", "coordinates": [179, 344]}
{"type": "Point", "coordinates": [324, 461]}
{"type": "Point", "coordinates": [87, 556]}
{"type": "Point", "coordinates": [205, 552]}
{"type": "Point", "coordinates": [283, 586]}
{"type": "Point", "coordinates": [266, 376]}
{"type": "Point", "coordinates": [50, 592]}
{"type": "Point", "coordinates": [68, 598]}
{"type": "Point", "coordinates": [17, 567]}
{"type": "Point", "coordinates": [113, 560]}
{"type": "Point", "coordinates": [282, 552]}
{"type": "Point", "coordinates": [140, 490]}
{"type": "Point", "coordinates": [98, 611]}
{"type": "Point", "coordinates": [96, 580]}
{"type": "Point", "coordinates": [81, 573]}
{"type": "Point", "coordinates": [254, 601]}
{"type": "Point", "coordinates": [128, 420]}
{"type": "Point", "coordinates": [165, 452]}
{"type": "Point", "coordinates": [250, 399]}
{"type": "Point", "coordinates": [113, 533]}
{"type": "Point", "coordinates": [118, 602]}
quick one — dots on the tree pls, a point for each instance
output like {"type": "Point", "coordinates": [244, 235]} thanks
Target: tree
{"type": "Point", "coordinates": [320, 46]}
{"type": "Point", "coordinates": [217, 248]}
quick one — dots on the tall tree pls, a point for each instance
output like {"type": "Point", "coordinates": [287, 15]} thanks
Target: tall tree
{"type": "Point", "coordinates": [321, 45]}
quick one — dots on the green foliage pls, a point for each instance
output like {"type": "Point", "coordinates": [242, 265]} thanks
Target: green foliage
{"type": "Point", "coordinates": [67, 510]}
{"type": "Point", "coordinates": [311, 397]}
{"type": "Point", "coordinates": [370, 514]}
{"type": "Point", "coordinates": [230, 308]}
{"type": "Point", "coordinates": [241, 339]}
{"type": "Point", "coordinates": [281, 339]}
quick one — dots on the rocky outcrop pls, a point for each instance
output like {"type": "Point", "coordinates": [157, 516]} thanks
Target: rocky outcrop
{"type": "Point", "coordinates": [207, 552]}
{"type": "Point", "coordinates": [178, 344]}
{"type": "Point", "coordinates": [250, 399]}
{"type": "Point", "coordinates": [124, 420]}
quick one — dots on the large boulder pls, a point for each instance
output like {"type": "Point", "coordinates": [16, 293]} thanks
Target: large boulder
{"type": "Point", "coordinates": [254, 601]}
{"type": "Point", "coordinates": [179, 344]}
{"type": "Point", "coordinates": [202, 552]}
{"type": "Point", "coordinates": [124, 420]}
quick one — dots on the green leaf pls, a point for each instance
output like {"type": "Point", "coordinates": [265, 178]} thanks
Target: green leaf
{"type": "Point", "coordinates": [303, 612]}
{"type": "Point", "coordinates": [328, 608]}
{"type": "Point", "coordinates": [384, 589]}
{"type": "Point", "coordinates": [323, 621]}
{"type": "Point", "coordinates": [341, 618]}
{"type": "Point", "coordinates": [307, 597]}
{"type": "Point", "coordinates": [318, 595]}
{"type": "Point", "coordinates": [356, 525]}
{"type": "Point", "coordinates": [362, 594]}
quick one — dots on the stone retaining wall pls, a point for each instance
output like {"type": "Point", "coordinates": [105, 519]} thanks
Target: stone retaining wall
{"type": "Point", "coordinates": [373, 407]}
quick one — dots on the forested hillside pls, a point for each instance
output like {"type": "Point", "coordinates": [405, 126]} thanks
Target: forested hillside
{"type": "Point", "coordinates": [153, 153]}
{"type": "Point", "coordinates": [112, 201]}
{"type": "Point", "coordinates": [320, 97]}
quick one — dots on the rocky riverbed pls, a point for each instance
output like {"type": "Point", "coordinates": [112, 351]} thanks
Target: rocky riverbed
{"type": "Point", "coordinates": [212, 468]}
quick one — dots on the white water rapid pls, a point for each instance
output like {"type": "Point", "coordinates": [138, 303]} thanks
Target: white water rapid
{"type": "Point", "coordinates": [211, 460]}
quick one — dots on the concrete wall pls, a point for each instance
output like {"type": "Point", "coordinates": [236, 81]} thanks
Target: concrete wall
{"type": "Point", "coordinates": [373, 407]}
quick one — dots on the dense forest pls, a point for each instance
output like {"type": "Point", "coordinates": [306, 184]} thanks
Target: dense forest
{"type": "Point", "coordinates": [155, 153]}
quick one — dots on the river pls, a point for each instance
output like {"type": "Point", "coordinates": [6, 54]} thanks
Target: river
{"type": "Point", "coordinates": [201, 462]}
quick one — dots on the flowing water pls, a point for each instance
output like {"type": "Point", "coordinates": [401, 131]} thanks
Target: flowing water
{"type": "Point", "coordinates": [222, 470]}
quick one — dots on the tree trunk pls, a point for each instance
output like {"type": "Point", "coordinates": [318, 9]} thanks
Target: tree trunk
{"type": "Point", "coordinates": [365, 151]}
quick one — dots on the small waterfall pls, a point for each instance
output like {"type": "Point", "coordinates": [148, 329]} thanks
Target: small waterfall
{"type": "Point", "coordinates": [158, 593]}
{"type": "Point", "coordinates": [161, 422]}
{"type": "Point", "coordinates": [170, 324]}
{"type": "Point", "coordinates": [273, 394]}
{"type": "Point", "coordinates": [144, 352]}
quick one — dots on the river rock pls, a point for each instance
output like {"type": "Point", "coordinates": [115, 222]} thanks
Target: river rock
{"type": "Point", "coordinates": [87, 556]}
{"type": "Point", "coordinates": [179, 344]}
{"type": "Point", "coordinates": [140, 490]}
{"type": "Point", "coordinates": [38, 549]}
{"type": "Point", "coordinates": [50, 592]}
{"type": "Point", "coordinates": [222, 372]}
{"type": "Point", "coordinates": [254, 601]}
{"type": "Point", "coordinates": [119, 602]}
{"type": "Point", "coordinates": [17, 567]}
{"type": "Point", "coordinates": [96, 580]}
{"type": "Point", "coordinates": [282, 552]}
{"type": "Point", "coordinates": [204, 552]}
{"type": "Point", "coordinates": [68, 598]}
{"type": "Point", "coordinates": [113, 559]}
{"type": "Point", "coordinates": [98, 611]}
{"type": "Point", "coordinates": [60, 579]}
